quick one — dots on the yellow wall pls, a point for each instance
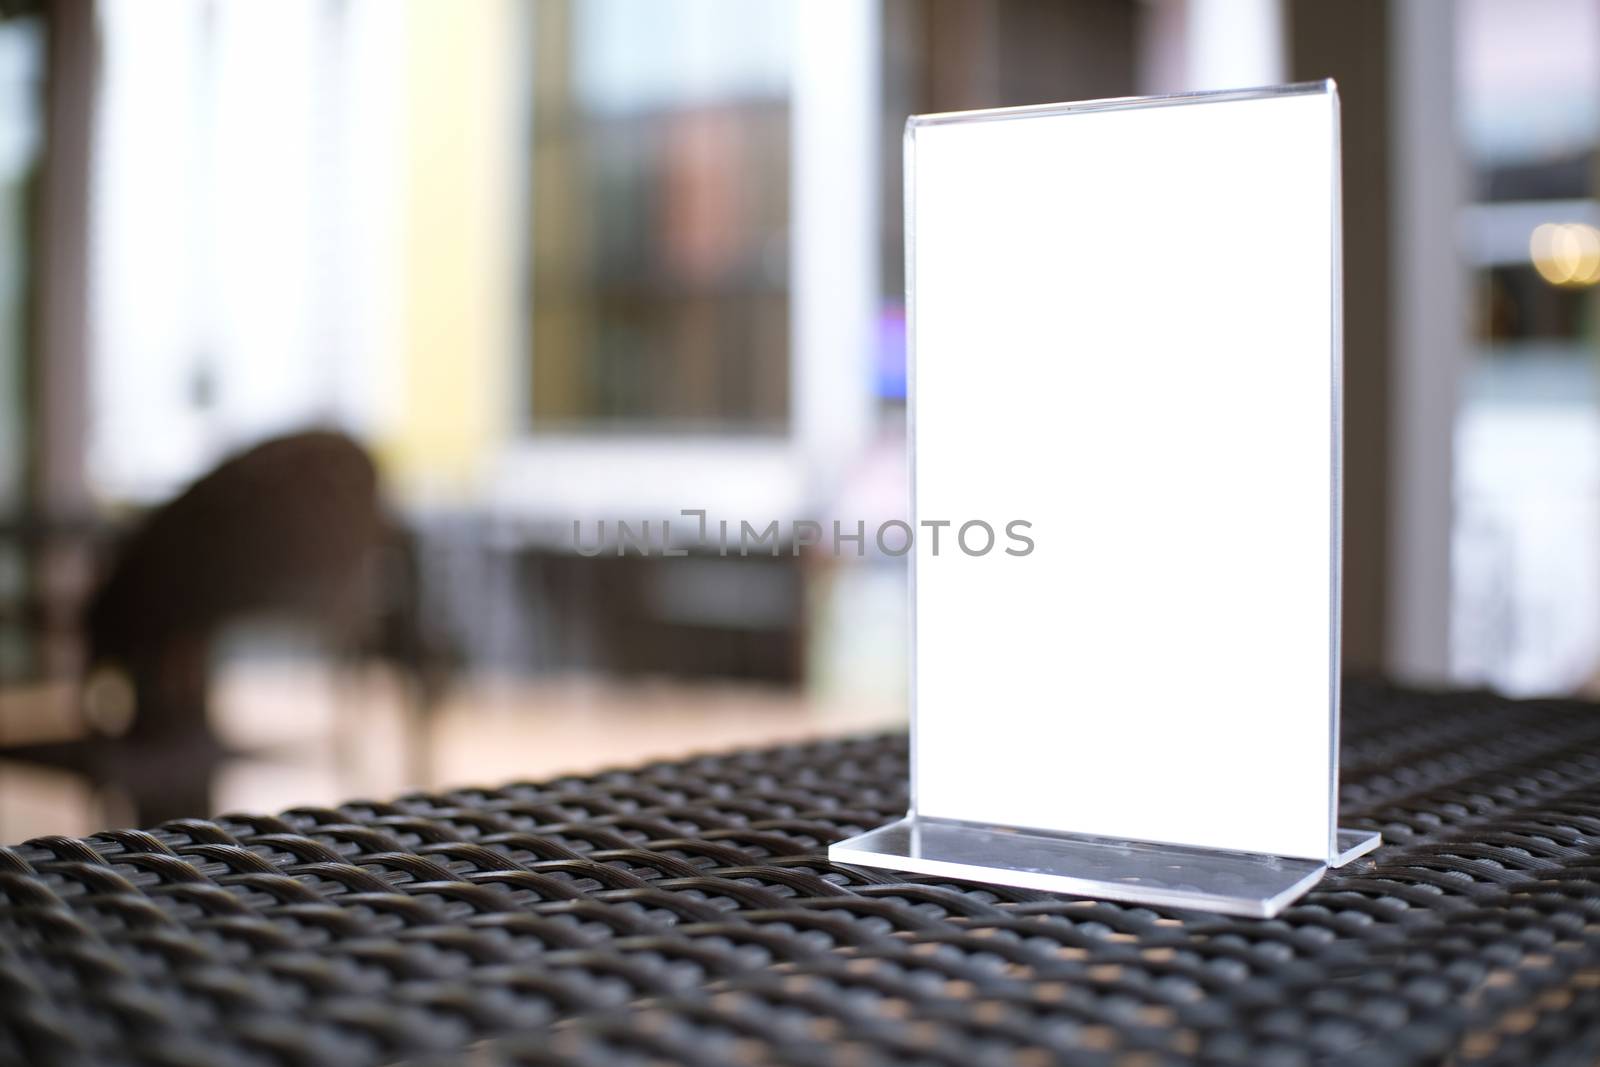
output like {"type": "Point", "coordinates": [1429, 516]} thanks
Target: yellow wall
{"type": "Point", "coordinates": [460, 277]}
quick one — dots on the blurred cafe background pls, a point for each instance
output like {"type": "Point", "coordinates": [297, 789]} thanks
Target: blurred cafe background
{"type": "Point", "coordinates": [321, 321]}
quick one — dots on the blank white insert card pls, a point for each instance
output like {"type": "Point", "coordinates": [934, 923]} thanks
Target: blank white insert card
{"type": "Point", "coordinates": [1124, 328]}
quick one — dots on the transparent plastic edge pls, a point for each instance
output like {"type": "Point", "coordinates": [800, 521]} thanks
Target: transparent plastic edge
{"type": "Point", "coordinates": [1353, 844]}
{"type": "Point", "coordinates": [1121, 103]}
{"type": "Point", "coordinates": [909, 195]}
{"type": "Point", "coordinates": [1336, 534]}
{"type": "Point", "coordinates": [1083, 835]}
{"type": "Point", "coordinates": [865, 850]}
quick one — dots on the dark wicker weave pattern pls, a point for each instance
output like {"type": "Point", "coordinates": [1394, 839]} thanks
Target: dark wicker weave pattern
{"type": "Point", "coordinates": [683, 913]}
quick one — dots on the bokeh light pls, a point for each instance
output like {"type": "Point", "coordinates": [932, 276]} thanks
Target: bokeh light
{"type": "Point", "coordinates": [1566, 253]}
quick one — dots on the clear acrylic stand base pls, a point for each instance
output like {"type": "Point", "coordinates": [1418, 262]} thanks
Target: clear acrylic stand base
{"type": "Point", "coordinates": [1171, 876]}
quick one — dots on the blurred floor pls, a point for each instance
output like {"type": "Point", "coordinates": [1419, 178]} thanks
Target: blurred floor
{"type": "Point", "coordinates": [487, 731]}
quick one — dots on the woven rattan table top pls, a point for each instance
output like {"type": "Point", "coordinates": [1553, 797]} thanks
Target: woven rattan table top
{"type": "Point", "coordinates": [684, 912]}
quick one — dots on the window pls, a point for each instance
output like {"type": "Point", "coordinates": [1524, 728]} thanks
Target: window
{"type": "Point", "coordinates": [1526, 596]}
{"type": "Point", "coordinates": [660, 215]}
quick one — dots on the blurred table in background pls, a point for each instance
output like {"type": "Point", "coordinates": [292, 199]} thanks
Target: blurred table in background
{"type": "Point", "coordinates": [318, 735]}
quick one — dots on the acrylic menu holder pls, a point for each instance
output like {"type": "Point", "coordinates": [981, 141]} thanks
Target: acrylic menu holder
{"type": "Point", "coordinates": [1125, 360]}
